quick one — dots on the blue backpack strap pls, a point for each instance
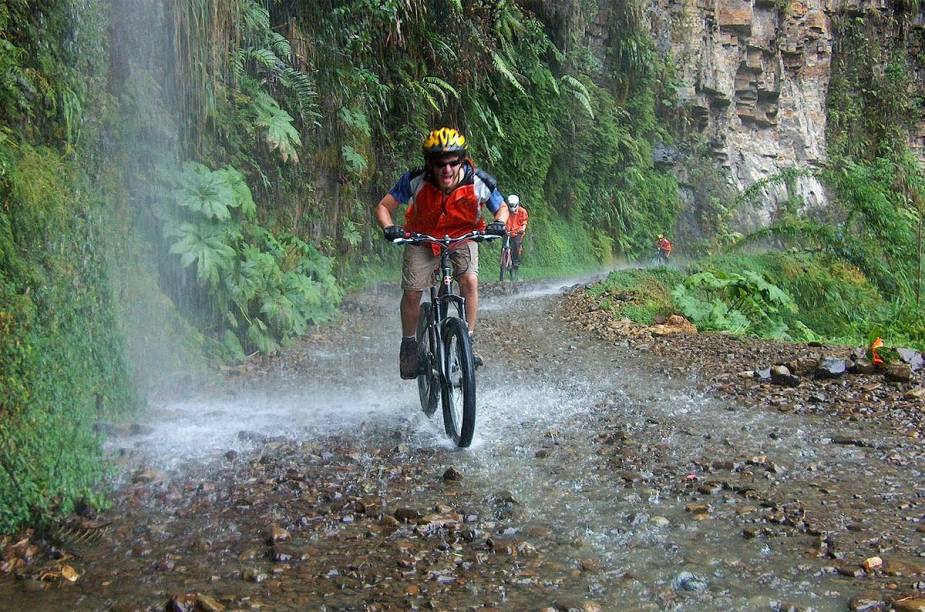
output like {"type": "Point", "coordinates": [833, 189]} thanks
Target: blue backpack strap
{"type": "Point", "coordinates": [486, 187]}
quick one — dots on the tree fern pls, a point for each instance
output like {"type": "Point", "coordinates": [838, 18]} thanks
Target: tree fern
{"type": "Point", "coordinates": [578, 89]}
{"type": "Point", "coordinates": [439, 85]}
{"type": "Point", "coordinates": [504, 70]}
{"type": "Point", "coordinates": [280, 45]}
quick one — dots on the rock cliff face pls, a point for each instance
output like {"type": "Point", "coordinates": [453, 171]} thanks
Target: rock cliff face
{"type": "Point", "coordinates": [754, 74]}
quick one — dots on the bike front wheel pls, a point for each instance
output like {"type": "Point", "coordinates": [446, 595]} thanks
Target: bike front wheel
{"type": "Point", "coordinates": [459, 386]}
{"type": "Point", "coordinates": [428, 383]}
{"type": "Point", "coordinates": [505, 263]}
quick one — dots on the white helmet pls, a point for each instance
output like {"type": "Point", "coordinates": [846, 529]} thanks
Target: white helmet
{"type": "Point", "coordinates": [513, 201]}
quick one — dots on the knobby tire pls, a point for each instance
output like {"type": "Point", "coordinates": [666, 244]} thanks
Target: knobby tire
{"type": "Point", "coordinates": [506, 263]}
{"type": "Point", "coordinates": [459, 389]}
{"type": "Point", "coordinates": [428, 384]}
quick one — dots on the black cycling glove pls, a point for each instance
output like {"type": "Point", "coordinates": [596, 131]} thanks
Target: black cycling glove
{"type": "Point", "coordinates": [392, 232]}
{"type": "Point", "coordinates": [496, 228]}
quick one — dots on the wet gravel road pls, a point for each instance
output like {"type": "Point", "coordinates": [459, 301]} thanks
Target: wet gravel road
{"type": "Point", "coordinates": [600, 478]}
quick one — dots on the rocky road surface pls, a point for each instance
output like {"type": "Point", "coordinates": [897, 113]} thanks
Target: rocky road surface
{"type": "Point", "coordinates": [604, 476]}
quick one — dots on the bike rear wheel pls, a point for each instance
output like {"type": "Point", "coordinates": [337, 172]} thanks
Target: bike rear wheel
{"type": "Point", "coordinates": [459, 388]}
{"type": "Point", "coordinates": [428, 383]}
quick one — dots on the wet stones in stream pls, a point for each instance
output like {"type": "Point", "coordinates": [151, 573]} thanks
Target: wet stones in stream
{"type": "Point", "coordinates": [317, 522]}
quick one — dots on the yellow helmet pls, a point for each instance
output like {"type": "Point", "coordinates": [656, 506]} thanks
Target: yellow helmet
{"type": "Point", "coordinates": [444, 140]}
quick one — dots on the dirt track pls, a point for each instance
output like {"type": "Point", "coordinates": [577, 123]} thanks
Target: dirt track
{"type": "Point", "coordinates": [601, 477]}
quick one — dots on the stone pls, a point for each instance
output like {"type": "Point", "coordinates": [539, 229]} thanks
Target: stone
{"type": "Point", "coordinates": [872, 563]}
{"type": "Point", "coordinates": [831, 367]}
{"type": "Point", "coordinates": [407, 515]}
{"type": "Point", "coordinates": [250, 574]}
{"type": "Point", "coordinates": [911, 357]}
{"type": "Point", "coordinates": [503, 497]}
{"type": "Point", "coordinates": [687, 581]}
{"type": "Point", "coordinates": [898, 372]}
{"type": "Point", "coordinates": [862, 365]}
{"type": "Point", "coordinates": [734, 15]}
{"type": "Point", "coordinates": [803, 366]}
{"type": "Point", "coordinates": [590, 565]}
{"type": "Point", "coordinates": [895, 567]}
{"type": "Point", "coordinates": [851, 571]}
{"type": "Point", "coordinates": [867, 602]}
{"type": "Point", "coordinates": [147, 476]}
{"type": "Point", "coordinates": [912, 603]}
{"type": "Point", "coordinates": [208, 604]}
{"type": "Point", "coordinates": [452, 475]}
{"type": "Point", "coordinates": [277, 533]}
{"type": "Point", "coordinates": [780, 375]}
{"type": "Point", "coordinates": [675, 324]}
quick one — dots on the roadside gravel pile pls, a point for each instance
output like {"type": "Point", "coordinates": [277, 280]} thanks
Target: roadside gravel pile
{"type": "Point", "coordinates": [787, 377]}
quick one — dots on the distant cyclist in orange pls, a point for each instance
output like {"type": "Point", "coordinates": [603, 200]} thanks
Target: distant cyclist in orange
{"type": "Point", "coordinates": [516, 229]}
{"type": "Point", "coordinates": [663, 249]}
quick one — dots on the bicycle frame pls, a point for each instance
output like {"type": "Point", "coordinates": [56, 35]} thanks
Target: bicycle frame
{"type": "Point", "coordinates": [441, 294]}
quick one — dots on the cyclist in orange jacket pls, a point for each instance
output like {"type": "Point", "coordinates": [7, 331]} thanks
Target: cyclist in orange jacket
{"type": "Point", "coordinates": [516, 229]}
{"type": "Point", "coordinates": [663, 249]}
{"type": "Point", "coordinates": [445, 197]}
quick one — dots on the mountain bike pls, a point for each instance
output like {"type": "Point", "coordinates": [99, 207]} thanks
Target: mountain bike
{"type": "Point", "coordinates": [447, 363]}
{"type": "Point", "coordinates": [507, 260]}
{"type": "Point", "coordinates": [661, 257]}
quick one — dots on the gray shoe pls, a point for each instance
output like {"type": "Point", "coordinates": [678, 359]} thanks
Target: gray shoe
{"type": "Point", "coordinates": [409, 362]}
{"type": "Point", "coordinates": [476, 359]}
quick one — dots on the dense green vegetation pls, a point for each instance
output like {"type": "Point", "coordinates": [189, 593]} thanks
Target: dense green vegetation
{"type": "Point", "coordinates": [847, 273]}
{"type": "Point", "coordinates": [61, 353]}
{"type": "Point", "coordinates": [787, 295]}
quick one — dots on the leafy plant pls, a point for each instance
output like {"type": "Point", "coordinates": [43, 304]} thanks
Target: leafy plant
{"type": "Point", "coordinates": [262, 289]}
{"type": "Point", "coordinates": [737, 303]}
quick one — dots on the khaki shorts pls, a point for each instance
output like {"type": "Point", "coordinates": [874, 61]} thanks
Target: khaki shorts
{"type": "Point", "coordinates": [419, 262]}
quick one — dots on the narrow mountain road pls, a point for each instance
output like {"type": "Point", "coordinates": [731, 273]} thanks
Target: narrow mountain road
{"type": "Point", "coordinates": [599, 479]}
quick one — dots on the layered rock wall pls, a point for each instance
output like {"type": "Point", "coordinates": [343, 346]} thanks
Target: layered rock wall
{"type": "Point", "coordinates": [754, 74]}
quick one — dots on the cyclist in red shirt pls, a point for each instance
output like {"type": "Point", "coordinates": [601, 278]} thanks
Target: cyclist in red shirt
{"type": "Point", "coordinates": [444, 198]}
{"type": "Point", "coordinates": [516, 229]}
{"type": "Point", "coordinates": [663, 248]}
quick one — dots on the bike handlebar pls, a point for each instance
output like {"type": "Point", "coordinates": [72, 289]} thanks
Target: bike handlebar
{"type": "Point", "coordinates": [417, 239]}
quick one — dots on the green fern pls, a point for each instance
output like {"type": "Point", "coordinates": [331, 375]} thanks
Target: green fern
{"type": "Point", "coordinates": [578, 89]}
{"type": "Point", "coordinates": [280, 134]}
{"type": "Point", "coordinates": [504, 70]}
{"type": "Point", "coordinates": [206, 245]}
{"type": "Point", "coordinates": [356, 162]}
{"type": "Point", "coordinates": [280, 45]}
{"type": "Point", "coordinates": [259, 336]}
{"type": "Point", "coordinates": [440, 86]}
{"type": "Point", "coordinates": [205, 193]}
{"type": "Point", "coordinates": [266, 58]}
{"type": "Point", "coordinates": [243, 199]}
{"type": "Point", "coordinates": [507, 22]}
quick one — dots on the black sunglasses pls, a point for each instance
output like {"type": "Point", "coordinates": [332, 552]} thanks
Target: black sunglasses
{"type": "Point", "coordinates": [444, 164]}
